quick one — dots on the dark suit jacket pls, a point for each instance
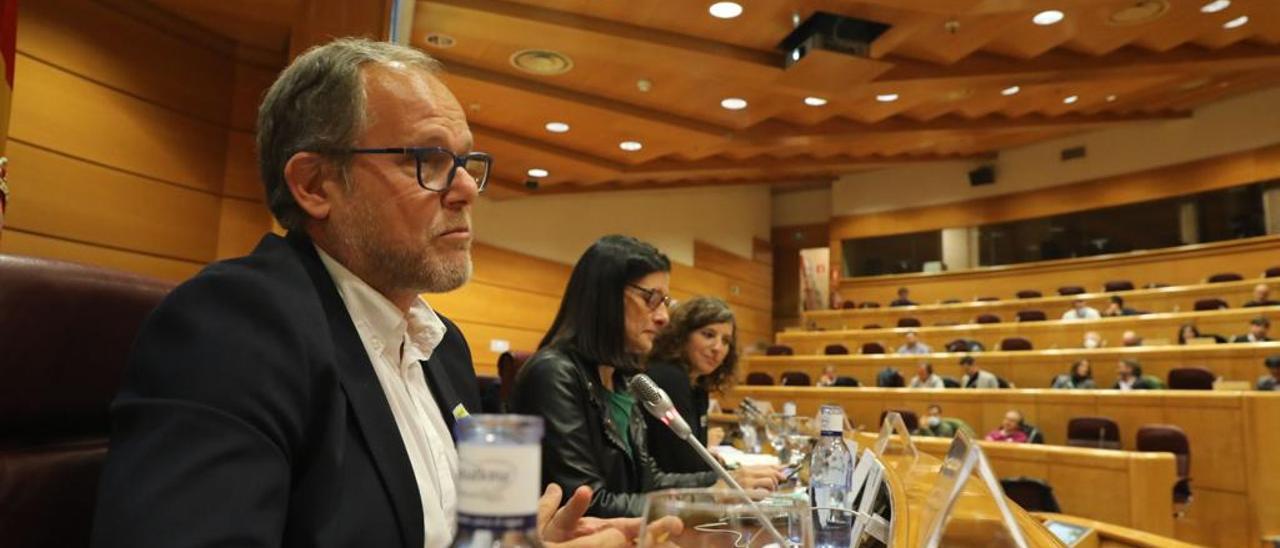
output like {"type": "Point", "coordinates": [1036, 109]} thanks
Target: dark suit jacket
{"type": "Point", "coordinates": [670, 452]}
{"type": "Point", "coordinates": [250, 416]}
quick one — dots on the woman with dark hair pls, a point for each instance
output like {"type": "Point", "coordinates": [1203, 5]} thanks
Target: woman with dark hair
{"type": "Point", "coordinates": [1186, 332]}
{"type": "Point", "coordinates": [1081, 376]}
{"type": "Point", "coordinates": [613, 308]}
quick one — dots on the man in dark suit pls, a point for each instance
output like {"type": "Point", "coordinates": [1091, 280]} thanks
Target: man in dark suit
{"type": "Point", "coordinates": [305, 395]}
{"type": "Point", "coordinates": [1258, 328]}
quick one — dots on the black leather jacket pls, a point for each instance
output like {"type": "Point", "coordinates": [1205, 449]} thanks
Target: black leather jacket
{"type": "Point", "coordinates": [581, 446]}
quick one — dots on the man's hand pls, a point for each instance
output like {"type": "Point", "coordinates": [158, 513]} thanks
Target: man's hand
{"type": "Point", "coordinates": [761, 476]}
{"type": "Point", "coordinates": [566, 527]}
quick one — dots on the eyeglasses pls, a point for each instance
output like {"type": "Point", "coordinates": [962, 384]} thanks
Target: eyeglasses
{"type": "Point", "coordinates": [654, 298]}
{"type": "Point", "coordinates": [436, 166]}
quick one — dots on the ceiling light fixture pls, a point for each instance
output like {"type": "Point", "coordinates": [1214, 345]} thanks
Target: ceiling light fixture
{"type": "Point", "coordinates": [1215, 6]}
{"type": "Point", "coordinates": [1111, 98]}
{"type": "Point", "coordinates": [1236, 23]}
{"type": "Point", "coordinates": [557, 127]}
{"type": "Point", "coordinates": [887, 97]}
{"type": "Point", "coordinates": [630, 146]}
{"type": "Point", "coordinates": [1071, 99]}
{"type": "Point", "coordinates": [733, 103]}
{"type": "Point", "coordinates": [538, 173]}
{"type": "Point", "coordinates": [815, 101]}
{"type": "Point", "coordinates": [725, 10]}
{"type": "Point", "coordinates": [1047, 17]}
{"type": "Point", "coordinates": [1011, 90]}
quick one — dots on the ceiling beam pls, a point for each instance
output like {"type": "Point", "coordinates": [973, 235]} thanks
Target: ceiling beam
{"type": "Point", "coordinates": [785, 134]}
{"type": "Point", "coordinates": [482, 131]}
{"type": "Point", "coordinates": [616, 186]}
{"type": "Point", "coordinates": [781, 167]}
{"type": "Point", "coordinates": [1063, 65]}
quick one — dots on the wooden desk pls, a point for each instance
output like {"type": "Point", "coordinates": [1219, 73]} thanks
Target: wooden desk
{"type": "Point", "coordinates": [1233, 437]}
{"type": "Point", "coordinates": [1165, 299]}
{"type": "Point", "coordinates": [1183, 265]}
{"type": "Point", "coordinates": [1036, 368]}
{"type": "Point", "coordinates": [1111, 535]}
{"type": "Point", "coordinates": [1047, 334]}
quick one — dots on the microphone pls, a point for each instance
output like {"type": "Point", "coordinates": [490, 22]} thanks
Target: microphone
{"type": "Point", "coordinates": [658, 403]}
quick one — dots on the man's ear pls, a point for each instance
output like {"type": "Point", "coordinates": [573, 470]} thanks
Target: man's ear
{"type": "Point", "coordinates": [306, 174]}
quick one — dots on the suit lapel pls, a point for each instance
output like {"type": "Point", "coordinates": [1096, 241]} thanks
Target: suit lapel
{"type": "Point", "coordinates": [441, 389]}
{"type": "Point", "coordinates": [373, 413]}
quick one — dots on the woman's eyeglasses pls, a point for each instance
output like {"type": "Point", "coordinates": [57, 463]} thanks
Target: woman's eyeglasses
{"type": "Point", "coordinates": [654, 298]}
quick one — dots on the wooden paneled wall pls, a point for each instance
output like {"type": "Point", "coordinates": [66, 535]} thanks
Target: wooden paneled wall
{"type": "Point", "coordinates": [1183, 265]}
{"type": "Point", "coordinates": [125, 145]}
{"type": "Point", "coordinates": [1232, 435]}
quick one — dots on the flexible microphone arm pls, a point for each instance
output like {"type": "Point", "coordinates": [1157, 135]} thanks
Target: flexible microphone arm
{"type": "Point", "coordinates": [658, 403]}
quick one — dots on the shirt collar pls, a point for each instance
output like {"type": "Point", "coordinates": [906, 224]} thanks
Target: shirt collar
{"type": "Point", "coordinates": [379, 321]}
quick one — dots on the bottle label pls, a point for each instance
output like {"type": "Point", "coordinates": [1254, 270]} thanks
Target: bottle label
{"type": "Point", "coordinates": [498, 480]}
{"type": "Point", "coordinates": [832, 424]}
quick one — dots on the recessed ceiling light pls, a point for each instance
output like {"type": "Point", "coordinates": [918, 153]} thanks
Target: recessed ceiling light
{"type": "Point", "coordinates": [725, 10]}
{"type": "Point", "coordinates": [1236, 23]}
{"type": "Point", "coordinates": [1047, 17]}
{"type": "Point", "coordinates": [1111, 98]}
{"type": "Point", "coordinates": [542, 62]}
{"type": "Point", "coordinates": [733, 103]}
{"type": "Point", "coordinates": [442, 41]}
{"type": "Point", "coordinates": [1011, 90]}
{"type": "Point", "coordinates": [630, 146]}
{"type": "Point", "coordinates": [1143, 11]}
{"type": "Point", "coordinates": [557, 127]}
{"type": "Point", "coordinates": [1215, 6]}
{"type": "Point", "coordinates": [1071, 99]}
{"type": "Point", "coordinates": [538, 173]}
{"type": "Point", "coordinates": [815, 101]}
{"type": "Point", "coordinates": [887, 97]}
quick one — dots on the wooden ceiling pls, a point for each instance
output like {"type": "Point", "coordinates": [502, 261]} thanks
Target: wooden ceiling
{"type": "Point", "coordinates": [946, 60]}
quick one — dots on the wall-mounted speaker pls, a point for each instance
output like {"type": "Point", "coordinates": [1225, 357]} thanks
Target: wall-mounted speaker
{"type": "Point", "coordinates": [984, 175]}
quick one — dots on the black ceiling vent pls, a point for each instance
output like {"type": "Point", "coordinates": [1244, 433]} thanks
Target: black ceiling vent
{"type": "Point", "coordinates": [1073, 153]}
{"type": "Point", "coordinates": [831, 32]}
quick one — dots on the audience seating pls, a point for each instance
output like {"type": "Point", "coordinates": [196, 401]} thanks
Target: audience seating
{"type": "Point", "coordinates": [1013, 344]}
{"type": "Point", "coordinates": [65, 335]}
{"type": "Point", "coordinates": [986, 299]}
{"type": "Point", "coordinates": [1170, 438]}
{"type": "Point", "coordinates": [848, 305]}
{"type": "Point", "coordinates": [779, 350]}
{"type": "Point", "coordinates": [1224, 277]}
{"type": "Point", "coordinates": [846, 381]}
{"type": "Point", "coordinates": [890, 378]}
{"type": "Point", "coordinates": [835, 349]}
{"type": "Point", "coordinates": [987, 318]}
{"type": "Point", "coordinates": [1031, 316]}
{"type": "Point", "coordinates": [872, 348]}
{"type": "Point", "coordinates": [869, 304]}
{"type": "Point", "coordinates": [1191, 378]}
{"type": "Point", "coordinates": [1032, 494]}
{"type": "Point", "coordinates": [490, 394]}
{"type": "Point", "coordinates": [950, 382]}
{"type": "Point", "coordinates": [909, 418]}
{"type": "Point", "coordinates": [873, 326]}
{"type": "Point", "coordinates": [1273, 272]}
{"type": "Point", "coordinates": [1211, 304]}
{"type": "Point", "coordinates": [950, 301]}
{"type": "Point", "coordinates": [1095, 432]}
{"type": "Point", "coordinates": [756, 378]}
{"type": "Point", "coordinates": [1117, 285]}
{"type": "Point", "coordinates": [509, 364]}
{"type": "Point", "coordinates": [1070, 290]}
{"type": "Point", "coordinates": [1028, 294]}
{"type": "Point", "coordinates": [796, 378]}
{"type": "Point", "coordinates": [908, 322]}
{"type": "Point", "coordinates": [958, 345]}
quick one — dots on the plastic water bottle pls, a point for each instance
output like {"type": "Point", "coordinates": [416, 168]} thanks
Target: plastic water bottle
{"type": "Point", "coordinates": [831, 468]}
{"type": "Point", "coordinates": [499, 476]}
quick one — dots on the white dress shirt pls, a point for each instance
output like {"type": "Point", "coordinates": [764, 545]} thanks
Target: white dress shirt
{"type": "Point", "coordinates": [1086, 313]}
{"type": "Point", "coordinates": [396, 346]}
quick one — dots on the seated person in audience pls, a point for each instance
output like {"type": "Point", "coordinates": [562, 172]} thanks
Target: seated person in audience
{"type": "Point", "coordinates": [1261, 297]}
{"type": "Point", "coordinates": [1129, 377]}
{"type": "Point", "coordinates": [1010, 429]}
{"type": "Point", "coordinates": [1271, 381]}
{"type": "Point", "coordinates": [924, 378]}
{"type": "Point", "coordinates": [828, 377]}
{"type": "Point", "coordinates": [1081, 311]}
{"type": "Point", "coordinates": [889, 378]}
{"type": "Point", "coordinates": [615, 304]}
{"type": "Point", "coordinates": [4, 192]}
{"type": "Point", "coordinates": [1130, 338]}
{"type": "Point", "coordinates": [913, 345]}
{"type": "Point", "coordinates": [1257, 331]}
{"type": "Point", "coordinates": [975, 377]}
{"type": "Point", "coordinates": [937, 426]}
{"type": "Point", "coordinates": [1117, 308]}
{"type": "Point", "coordinates": [1093, 339]}
{"type": "Point", "coordinates": [1081, 376]}
{"type": "Point", "coordinates": [902, 299]}
{"type": "Point", "coordinates": [1188, 331]}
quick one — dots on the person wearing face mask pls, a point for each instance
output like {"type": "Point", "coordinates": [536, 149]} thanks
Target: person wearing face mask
{"type": "Point", "coordinates": [615, 304]}
{"type": "Point", "coordinates": [937, 426]}
{"type": "Point", "coordinates": [694, 355]}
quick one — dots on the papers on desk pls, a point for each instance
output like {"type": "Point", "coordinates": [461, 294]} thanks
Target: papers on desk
{"type": "Point", "coordinates": [733, 456]}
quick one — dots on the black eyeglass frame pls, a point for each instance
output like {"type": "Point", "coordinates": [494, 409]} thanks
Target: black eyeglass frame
{"type": "Point", "coordinates": [418, 153]}
{"type": "Point", "coordinates": [649, 294]}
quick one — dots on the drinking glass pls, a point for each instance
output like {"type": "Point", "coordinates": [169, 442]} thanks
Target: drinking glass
{"type": "Point", "coordinates": [717, 518]}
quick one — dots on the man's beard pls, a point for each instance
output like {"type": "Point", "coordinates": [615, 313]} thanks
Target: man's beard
{"type": "Point", "coordinates": [421, 269]}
